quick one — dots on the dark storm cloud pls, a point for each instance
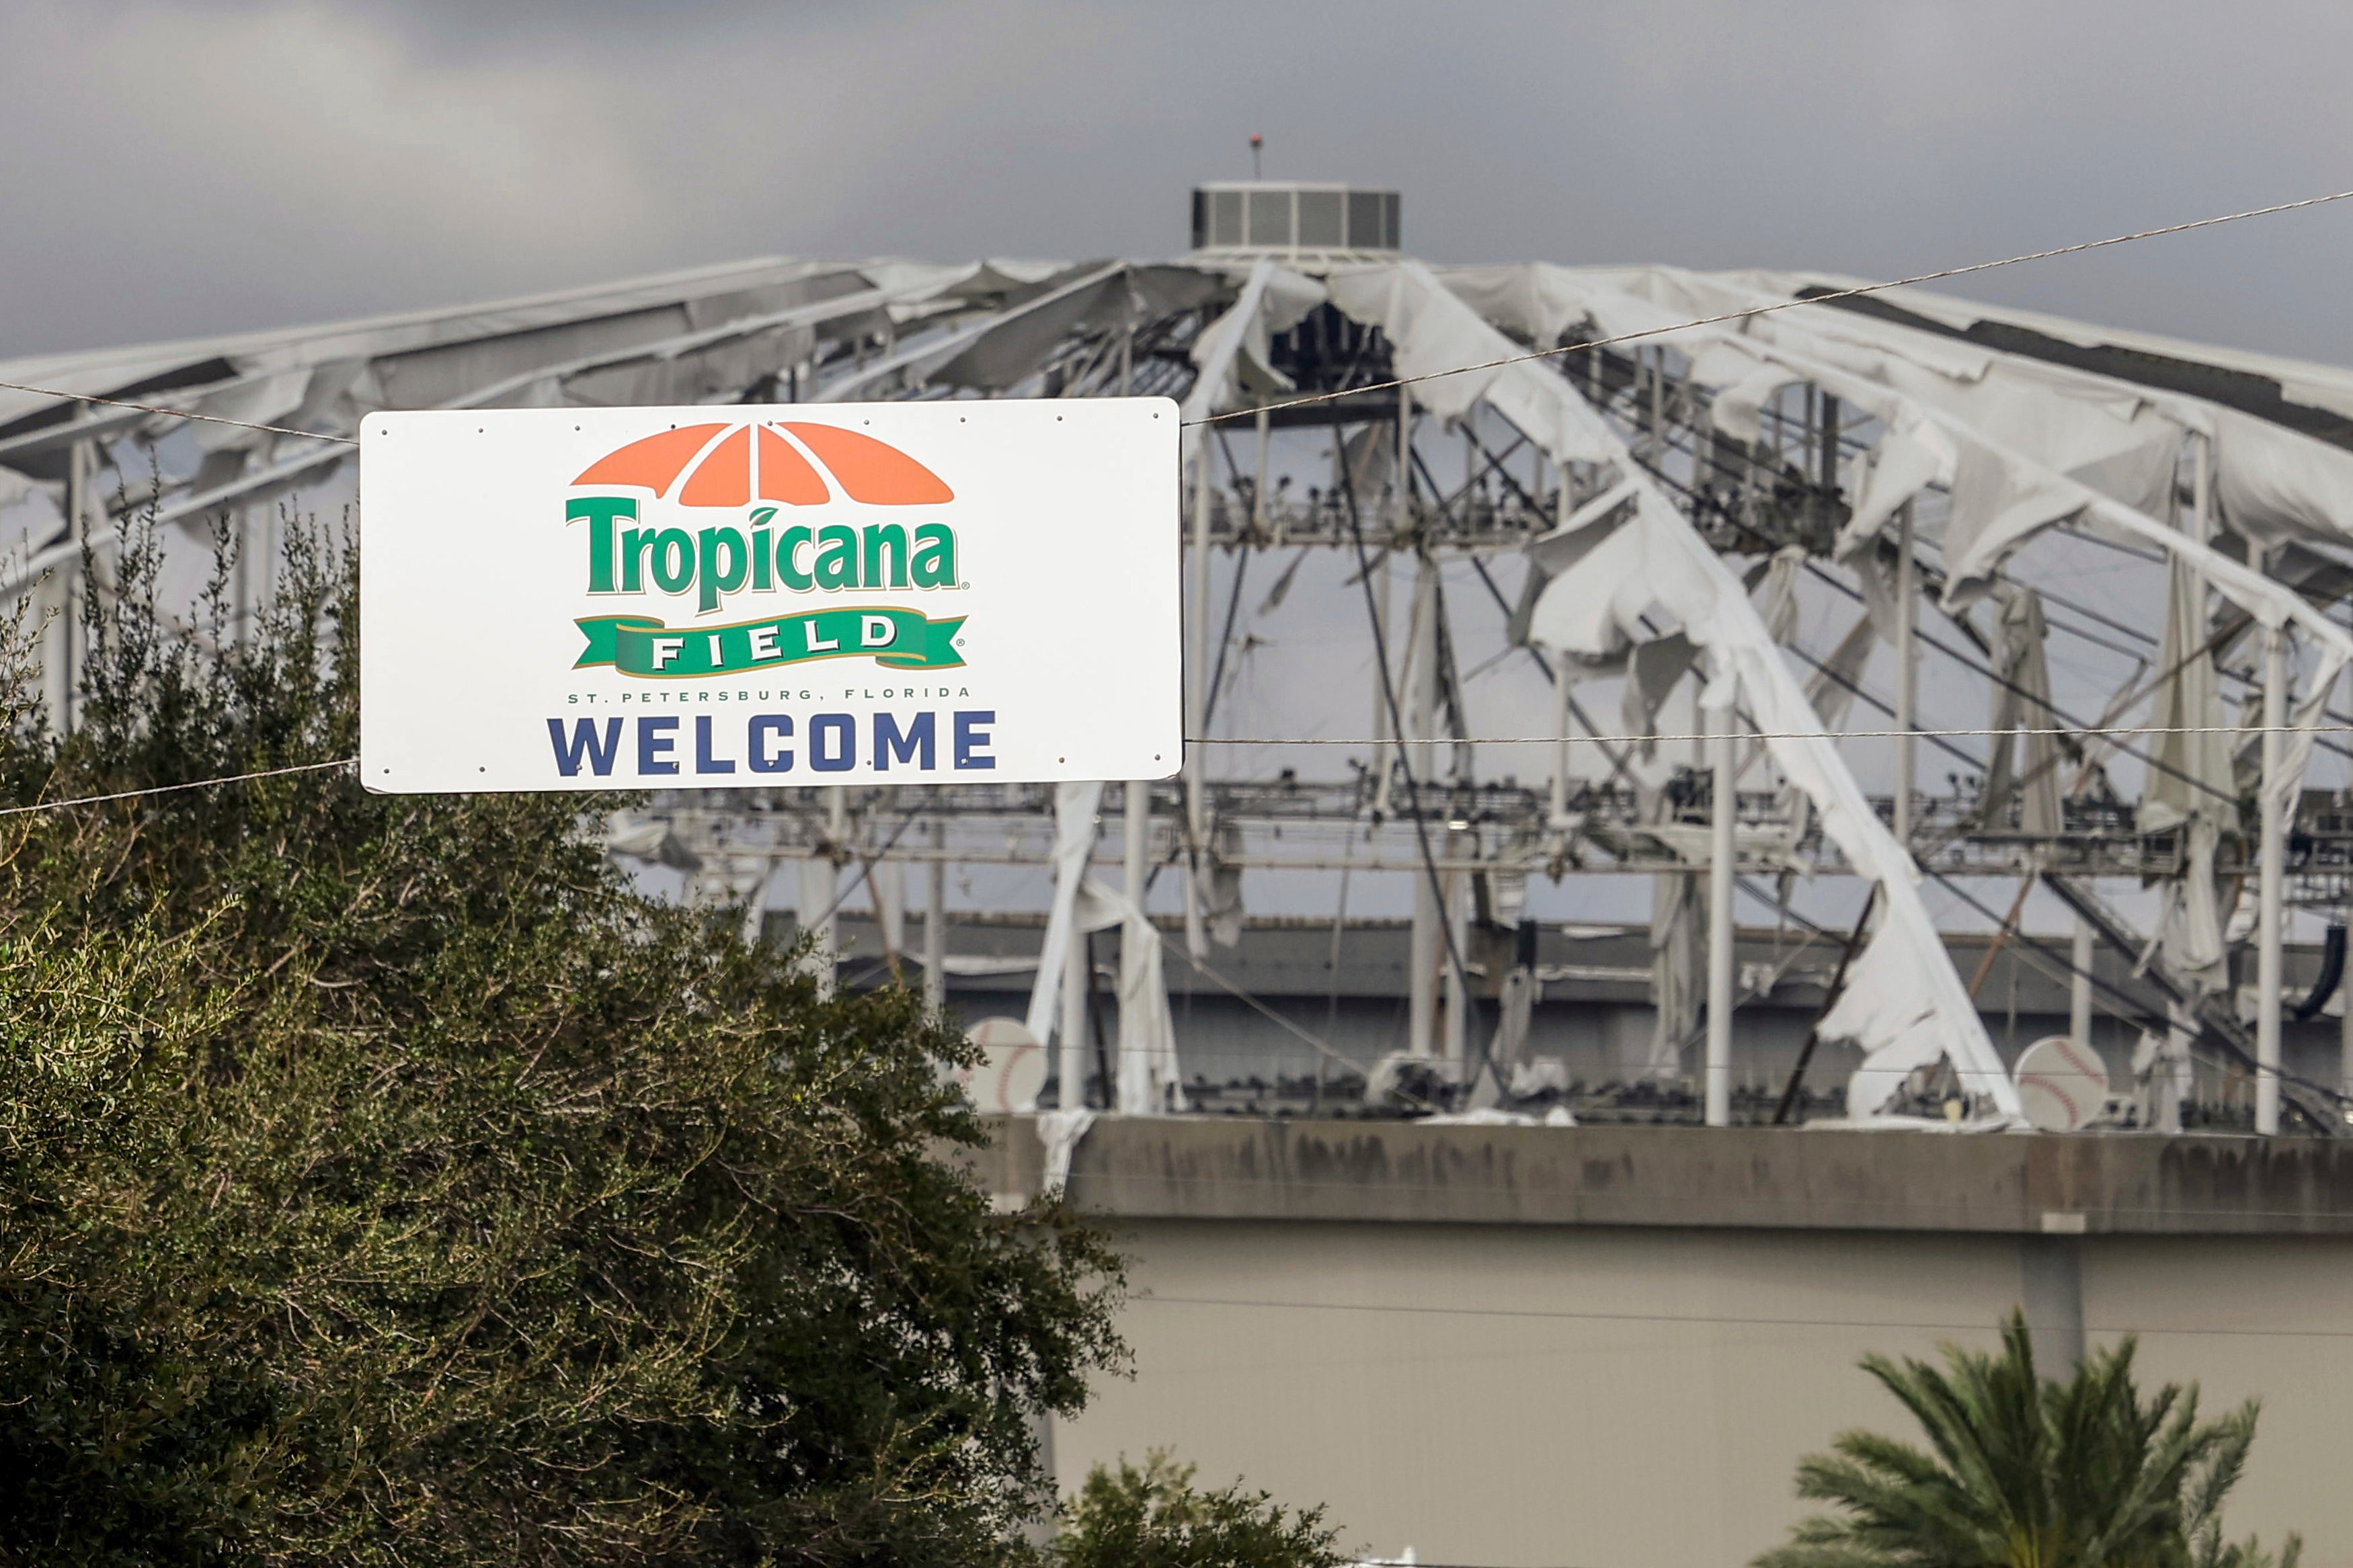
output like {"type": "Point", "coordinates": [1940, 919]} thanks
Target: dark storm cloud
{"type": "Point", "coordinates": [177, 169]}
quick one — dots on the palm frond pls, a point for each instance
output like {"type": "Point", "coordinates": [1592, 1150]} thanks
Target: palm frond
{"type": "Point", "coordinates": [2024, 1471]}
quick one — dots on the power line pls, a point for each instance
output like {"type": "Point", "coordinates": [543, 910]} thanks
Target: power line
{"type": "Point", "coordinates": [1770, 307]}
{"type": "Point", "coordinates": [172, 789]}
{"type": "Point", "coordinates": [174, 413]}
{"type": "Point", "coordinates": [2091, 731]}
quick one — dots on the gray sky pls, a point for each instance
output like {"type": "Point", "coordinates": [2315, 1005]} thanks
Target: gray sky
{"type": "Point", "coordinates": [183, 168]}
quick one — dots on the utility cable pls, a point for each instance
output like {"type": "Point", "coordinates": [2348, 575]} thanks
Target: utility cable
{"type": "Point", "coordinates": [2088, 732]}
{"type": "Point", "coordinates": [174, 413]}
{"type": "Point", "coordinates": [172, 789]}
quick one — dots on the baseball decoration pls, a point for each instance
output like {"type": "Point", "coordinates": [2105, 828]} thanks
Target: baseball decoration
{"type": "Point", "coordinates": [2062, 1085]}
{"type": "Point", "coordinates": [1012, 1069]}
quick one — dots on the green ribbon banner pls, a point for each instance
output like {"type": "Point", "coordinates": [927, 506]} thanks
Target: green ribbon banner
{"type": "Point", "coordinates": [896, 639]}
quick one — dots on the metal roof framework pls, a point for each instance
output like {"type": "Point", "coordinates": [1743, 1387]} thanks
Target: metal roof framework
{"type": "Point", "coordinates": [1783, 442]}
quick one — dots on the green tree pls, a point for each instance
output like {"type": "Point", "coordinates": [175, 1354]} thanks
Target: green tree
{"type": "Point", "coordinates": [384, 1180]}
{"type": "Point", "coordinates": [1156, 1517]}
{"type": "Point", "coordinates": [2024, 1471]}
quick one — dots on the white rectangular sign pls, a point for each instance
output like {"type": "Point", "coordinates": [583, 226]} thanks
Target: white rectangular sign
{"type": "Point", "coordinates": [724, 596]}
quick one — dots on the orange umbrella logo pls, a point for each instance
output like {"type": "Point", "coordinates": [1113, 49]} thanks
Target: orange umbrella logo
{"type": "Point", "coordinates": [725, 465]}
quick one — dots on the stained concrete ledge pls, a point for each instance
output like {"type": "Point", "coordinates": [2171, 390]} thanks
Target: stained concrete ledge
{"type": "Point", "coordinates": [1740, 1178]}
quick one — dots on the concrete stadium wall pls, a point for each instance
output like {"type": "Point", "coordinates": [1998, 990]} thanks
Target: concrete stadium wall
{"type": "Point", "coordinates": [1548, 1382]}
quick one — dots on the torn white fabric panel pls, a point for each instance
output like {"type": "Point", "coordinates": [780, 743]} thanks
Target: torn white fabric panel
{"type": "Point", "coordinates": [2300, 381]}
{"type": "Point", "coordinates": [1677, 975]}
{"type": "Point", "coordinates": [1015, 345]}
{"type": "Point", "coordinates": [816, 894]}
{"type": "Point", "coordinates": [2013, 497]}
{"type": "Point", "coordinates": [1434, 335]}
{"type": "Point", "coordinates": [1147, 1080]}
{"type": "Point", "coordinates": [1060, 1131]}
{"type": "Point", "coordinates": [720, 368]}
{"type": "Point", "coordinates": [2190, 936]}
{"type": "Point", "coordinates": [1004, 343]}
{"type": "Point", "coordinates": [2305, 718]}
{"type": "Point", "coordinates": [2189, 776]}
{"type": "Point", "coordinates": [2017, 495]}
{"type": "Point", "coordinates": [1875, 573]}
{"type": "Point", "coordinates": [1996, 506]}
{"type": "Point", "coordinates": [2110, 435]}
{"type": "Point", "coordinates": [1074, 840]}
{"type": "Point", "coordinates": [1515, 1011]}
{"type": "Point", "coordinates": [2023, 765]}
{"type": "Point", "coordinates": [734, 287]}
{"type": "Point", "coordinates": [2024, 444]}
{"type": "Point", "coordinates": [1911, 455]}
{"type": "Point", "coordinates": [1222, 904]}
{"type": "Point", "coordinates": [2275, 485]}
{"type": "Point", "coordinates": [445, 372]}
{"type": "Point", "coordinates": [1652, 670]}
{"type": "Point", "coordinates": [1738, 408]}
{"type": "Point", "coordinates": [649, 839]}
{"type": "Point", "coordinates": [2000, 497]}
{"type": "Point", "coordinates": [2271, 603]}
{"type": "Point", "coordinates": [1592, 608]}
{"type": "Point", "coordinates": [1536, 304]}
{"type": "Point", "coordinates": [264, 399]}
{"type": "Point", "coordinates": [1163, 287]}
{"type": "Point", "coordinates": [816, 898]}
{"type": "Point", "coordinates": [1914, 1009]}
{"type": "Point", "coordinates": [1830, 690]}
{"type": "Point", "coordinates": [1782, 569]}
{"type": "Point", "coordinates": [1234, 355]}
{"type": "Point", "coordinates": [2113, 438]}
{"type": "Point", "coordinates": [886, 882]}
{"type": "Point", "coordinates": [731, 356]}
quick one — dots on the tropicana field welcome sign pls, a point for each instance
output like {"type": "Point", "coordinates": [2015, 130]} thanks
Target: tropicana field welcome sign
{"type": "Point", "coordinates": [717, 598]}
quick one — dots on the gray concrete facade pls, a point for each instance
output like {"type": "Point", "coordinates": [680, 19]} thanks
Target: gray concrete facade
{"type": "Point", "coordinates": [1608, 1347]}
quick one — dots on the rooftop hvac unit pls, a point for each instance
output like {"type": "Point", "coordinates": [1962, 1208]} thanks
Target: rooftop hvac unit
{"type": "Point", "coordinates": [1260, 218]}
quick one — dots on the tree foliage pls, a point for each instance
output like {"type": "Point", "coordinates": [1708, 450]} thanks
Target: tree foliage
{"type": "Point", "coordinates": [1156, 1517]}
{"type": "Point", "coordinates": [2024, 1471]}
{"type": "Point", "coordinates": [383, 1180]}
